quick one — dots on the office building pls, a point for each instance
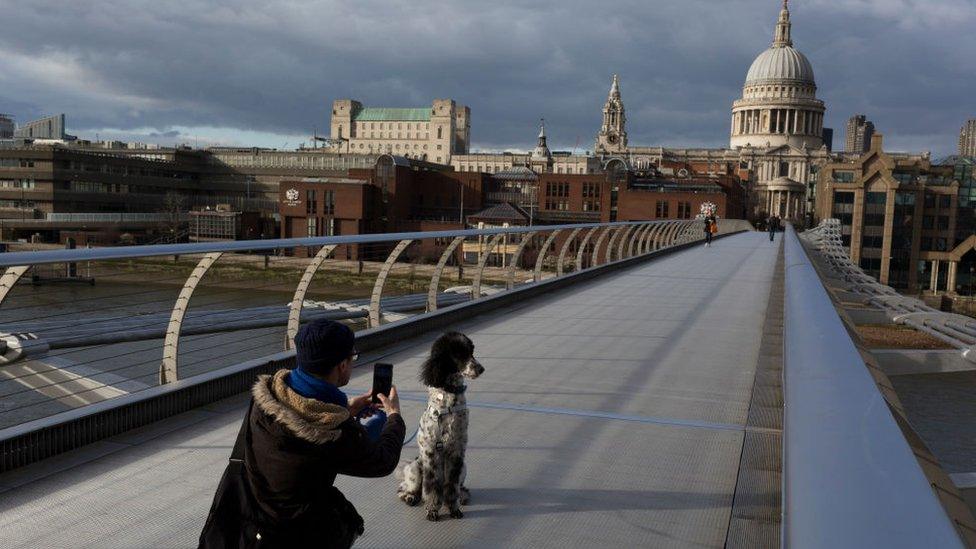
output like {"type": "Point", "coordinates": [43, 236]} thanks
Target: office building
{"type": "Point", "coordinates": [859, 132]}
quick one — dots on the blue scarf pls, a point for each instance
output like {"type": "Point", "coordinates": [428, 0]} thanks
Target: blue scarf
{"type": "Point", "coordinates": [310, 386]}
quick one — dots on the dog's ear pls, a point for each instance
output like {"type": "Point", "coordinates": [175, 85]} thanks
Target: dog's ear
{"type": "Point", "coordinates": [439, 365]}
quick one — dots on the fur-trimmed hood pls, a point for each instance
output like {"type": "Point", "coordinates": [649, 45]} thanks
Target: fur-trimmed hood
{"type": "Point", "coordinates": [307, 418]}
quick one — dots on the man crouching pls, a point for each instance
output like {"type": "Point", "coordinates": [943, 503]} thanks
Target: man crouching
{"type": "Point", "coordinates": [300, 433]}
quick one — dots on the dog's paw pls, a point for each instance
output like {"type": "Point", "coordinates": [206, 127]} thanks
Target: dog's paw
{"type": "Point", "coordinates": [456, 513]}
{"type": "Point", "coordinates": [410, 499]}
{"type": "Point", "coordinates": [465, 496]}
{"type": "Point", "coordinates": [432, 516]}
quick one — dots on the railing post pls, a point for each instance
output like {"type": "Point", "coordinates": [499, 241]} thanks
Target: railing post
{"type": "Point", "coordinates": [298, 301]}
{"type": "Point", "coordinates": [623, 241]}
{"type": "Point", "coordinates": [169, 368]}
{"type": "Point", "coordinates": [374, 302]}
{"type": "Point", "coordinates": [595, 258]}
{"type": "Point", "coordinates": [649, 245]}
{"type": "Point", "coordinates": [562, 252]}
{"type": "Point", "coordinates": [638, 236]}
{"type": "Point", "coordinates": [612, 244]}
{"type": "Point", "coordinates": [579, 252]}
{"type": "Point", "coordinates": [476, 283]}
{"type": "Point", "coordinates": [10, 278]}
{"type": "Point", "coordinates": [510, 282]}
{"type": "Point", "coordinates": [542, 254]}
{"type": "Point", "coordinates": [435, 280]}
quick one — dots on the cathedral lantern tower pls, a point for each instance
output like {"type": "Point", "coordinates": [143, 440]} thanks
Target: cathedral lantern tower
{"type": "Point", "coordinates": [613, 134]}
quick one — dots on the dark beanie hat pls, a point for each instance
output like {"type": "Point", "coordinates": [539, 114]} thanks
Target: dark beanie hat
{"type": "Point", "coordinates": [322, 344]}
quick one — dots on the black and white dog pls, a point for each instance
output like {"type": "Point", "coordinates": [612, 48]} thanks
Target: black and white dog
{"type": "Point", "coordinates": [438, 473]}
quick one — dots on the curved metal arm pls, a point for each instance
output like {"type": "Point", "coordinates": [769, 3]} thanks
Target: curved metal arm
{"type": "Point", "coordinates": [476, 284]}
{"type": "Point", "coordinates": [638, 237]}
{"type": "Point", "coordinates": [579, 252]}
{"type": "Point", "coordinates": [612, 245]}
{"type": "Point", "coordinates": [169, 368]}
{"type": "Point", "coordinates": [542, 254]}
{"type": "Point", "coordinates": [594, 259]}
{"type": "Point", "coordinates": [624, 239]}
{"type": "Point", "coordinates": [510, 282]}
{"type": "Point", "coordinates": [10, 278]}
{"type": "Point", "coordinates": [652, 237]}
{"type": "Point", "coordinates": [298, 301]}
{"type": "Point", "coordinates": [374, 302]}
{"type": "Point", "coordinates": [562, 252]}
{"type": "Point", "coordinates": [435, 280]}
{"type": "Point", "coordinates": [632, 240]}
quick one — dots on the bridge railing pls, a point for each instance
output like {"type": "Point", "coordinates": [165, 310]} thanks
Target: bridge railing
{"type": "Point", "coordinates": [955, 329]}
{"type": "Point", "coordinates": [82, 326]}
{"type": "Point", "coordinates": [850, 478]}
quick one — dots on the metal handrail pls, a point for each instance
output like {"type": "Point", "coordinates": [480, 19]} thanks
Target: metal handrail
{"type": "Point", "coordinates": [126, 252]}
{"type": "Point", "coordinates": [850, 478]}
{"type": "Point", "coordinates": [21, 345]}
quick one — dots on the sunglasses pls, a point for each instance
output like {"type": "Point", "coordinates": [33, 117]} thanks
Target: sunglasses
{"type": "Point", "coordinates": [354, 356]}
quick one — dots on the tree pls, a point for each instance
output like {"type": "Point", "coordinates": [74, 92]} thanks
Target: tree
{"type": "Point", "coordinates": [173, 209]}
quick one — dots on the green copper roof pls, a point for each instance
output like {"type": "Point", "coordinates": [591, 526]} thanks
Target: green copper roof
{"type": "Point", "coordinates": [386, 114]}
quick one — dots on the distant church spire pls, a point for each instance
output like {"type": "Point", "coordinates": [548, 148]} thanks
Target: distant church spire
{"type": "Point", "coordinates": [783, 26]}
{"type": "Point", "coordinates": [613, 133]}
{"type": "Point", "coordinates": [541, 156]}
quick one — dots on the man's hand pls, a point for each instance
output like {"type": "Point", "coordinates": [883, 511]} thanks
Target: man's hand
{"type": "Point", "coordinates": [391, 404]}
{"type": "Point", "coordinates": [360, 403]}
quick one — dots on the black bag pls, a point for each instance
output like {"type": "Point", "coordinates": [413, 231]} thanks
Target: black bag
{"type": "Point", "coordinates": [234, 519]}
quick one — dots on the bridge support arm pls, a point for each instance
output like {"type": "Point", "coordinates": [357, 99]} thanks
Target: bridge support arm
{"type": "Point", "coordinates": [435, 279]}
{"type": "Point", "coordinates": [169, 368]}
{"type": "Point", "coordinates": [526, 239]}
{"type": "Point", "coordinates": [298, 301]}
{"type": "Point", "coordinates": [374, 302]}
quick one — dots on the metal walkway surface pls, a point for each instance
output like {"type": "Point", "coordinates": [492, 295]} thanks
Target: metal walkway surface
{"type": "Point", "coordinates": [611, 414]}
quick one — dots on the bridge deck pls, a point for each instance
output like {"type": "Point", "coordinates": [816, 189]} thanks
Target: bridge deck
{"type": "Point", "coordinates": [611, 414]}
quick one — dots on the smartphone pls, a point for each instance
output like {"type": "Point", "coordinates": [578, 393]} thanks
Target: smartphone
{"type": "Point", "coordinates": [382, 380]}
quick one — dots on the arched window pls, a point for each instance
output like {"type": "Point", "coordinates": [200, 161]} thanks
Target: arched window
{"type": "Point", "coordinates": [439, 128]}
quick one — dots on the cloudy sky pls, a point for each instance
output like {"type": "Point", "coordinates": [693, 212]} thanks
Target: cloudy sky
{"type": "Point", "coordinates": [265, 72]}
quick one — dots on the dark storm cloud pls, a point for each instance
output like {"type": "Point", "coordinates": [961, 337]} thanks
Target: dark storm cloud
{"type": "Point", "coordinates": [276, 66]}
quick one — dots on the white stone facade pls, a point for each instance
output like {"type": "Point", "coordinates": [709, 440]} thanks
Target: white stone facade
{"type": "Point", "coordinates": [434, 133]}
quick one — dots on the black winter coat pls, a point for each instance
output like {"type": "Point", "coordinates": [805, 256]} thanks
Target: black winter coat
{"type": "Point", "coordinates": [294, 450]}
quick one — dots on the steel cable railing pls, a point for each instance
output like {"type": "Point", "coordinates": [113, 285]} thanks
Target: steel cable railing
{"type": "Point", "coordinates": [957, 330]}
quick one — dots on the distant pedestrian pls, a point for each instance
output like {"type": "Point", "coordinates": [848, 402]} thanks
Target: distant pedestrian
{"type": "Point", "coordinates": [773, 225]}
{"type": "Point", "coordinates": [711, 227]}
{"type": "Point", "coordinates": [299, 433]}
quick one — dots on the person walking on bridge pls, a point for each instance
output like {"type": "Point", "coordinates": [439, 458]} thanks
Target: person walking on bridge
{"type": "Point", "coordinates": [773, 226]}
{"type": "Point", "coordinates": [300, 432]}
{"type": "Point", "coordinates": [711, 227]}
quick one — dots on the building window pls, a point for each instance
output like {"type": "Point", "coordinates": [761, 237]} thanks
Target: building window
{"type": "Point", "coordinates": [312, 226]}
{"type": "Point", "coordinates": [662, 209]}
{"type": "Point", "coordinates": [329, 203]}
{"type": "Point", "coordinates": [843, 176]}
{"type": "Point", "coordinates": [945, 201]}
{"type": "Point", "coordinates": [311, 206]}
{"type": "Point", "coordinates": [684, 210]}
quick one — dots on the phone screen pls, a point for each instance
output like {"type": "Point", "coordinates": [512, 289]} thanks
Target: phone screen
{"type": "Point", "coordinates": [382, 380]}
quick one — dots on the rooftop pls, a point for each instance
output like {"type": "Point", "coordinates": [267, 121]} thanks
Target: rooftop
{"type": "Point", "coordinates": [382, 114]}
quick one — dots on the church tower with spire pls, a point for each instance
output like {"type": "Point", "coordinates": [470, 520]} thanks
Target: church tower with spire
{"type": "Point", "coordinates": [613, 133]}
{"type": "Point", "coordinates": [541, 159]}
